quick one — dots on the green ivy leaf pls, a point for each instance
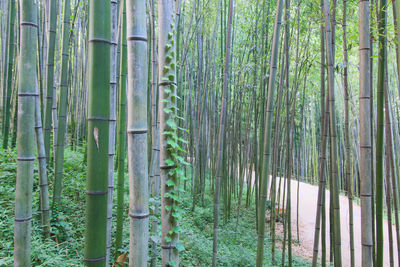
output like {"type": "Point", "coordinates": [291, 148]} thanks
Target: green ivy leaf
{"type": "Point", "coordinates": [172, 143]}
{"type": "Point", "coordinates": [168, 133]}
{"type": "Point", "coordinates": [177, 229]}
{"type": "Point", "coordinates": [172, 196]}
{"type": "Point", "coordinates": [171, 124]}
{"type": "Point", "coordinates": [176, 215]}
{"type": "Point", "coordinates": [180, 247]}
{"type": "Point", "coordinates": [169, 162]}
{"type": "Point", "coordinates": [182, 140]}
{"type": "Point", "coordinates": [170, 182]}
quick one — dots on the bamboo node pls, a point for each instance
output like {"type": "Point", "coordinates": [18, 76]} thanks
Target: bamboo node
{"type": "Point", "coordinates": [99, 40]}
{"type": "Point", "coordinates": [167, 246]}
{"type": "Point", "coordinates": [137, 38]}
{"type": "Point", "coordinates": [28, 94]}
{"type": "Point", "coordinates": [95, 259]}
{"type": "Point", "coordinates": [139, 216]}
{"type": "Point", "coordinates": [28, 23]}
{"type": "Point", "coordinates": [26, 158]}
{"type": "Point", "coordinates": [136, 131]}
{"type": "Point", "coordinates": [96, 192]}
{"type": "Point", "coordinates": [23, 219]}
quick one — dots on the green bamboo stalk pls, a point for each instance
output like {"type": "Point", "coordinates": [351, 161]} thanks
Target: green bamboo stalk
{"type": "Point", "coordinates": [167, 112]}
{"type": "Point", "coordinates": [155, 163]}
{"type": "Point", "coordinates": [26, 142]}
{"type": "Point", "coordinates": [267, 135]}
{"type": "Point", "coordinates": [4, 65]}
{"type": "Point", "coordinates": [15, 117]}
{"type": "Point", "coordinates": [121, 146]}
{"type": "Point", "coordinates": [388, 183]}
{"type": "Point", "coordinates": [10, 61]}
{"type": "Point", "coordinates": [62, 107]}
{"type": "Point", "coordinates": [137, 132]}
{"type": "Point", "coordinates": [348, 177]}
{"type": "Point", "coordinates": [366, 174]}
{"type": "Point", "coordinates": [221, 135]}
{"type": "Point", "coordinates": [396, 10]}
{"type": "Point", "coordinates": [113, 103]}
{"type": "Point", "coordinates": [98, 131]}
{"type": "Point", "coordinates": [51, 41]}
{"type": "Point", "coordinates": [382, 18]}
{"type": "Point", "coordinates": [43, 184]}
{"type": "Point", "coordinates": [332, 135]}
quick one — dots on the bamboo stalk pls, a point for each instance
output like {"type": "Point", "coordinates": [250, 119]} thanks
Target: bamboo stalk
{"type": "Point", "coordinates": [26, 123]}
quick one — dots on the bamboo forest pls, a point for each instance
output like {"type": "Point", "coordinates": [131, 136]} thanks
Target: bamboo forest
{"type": "Point", "coordinates": [200, 133]}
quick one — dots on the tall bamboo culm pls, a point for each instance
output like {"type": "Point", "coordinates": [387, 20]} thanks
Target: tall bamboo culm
{"type": "Point", "coordinates": [221, 135]}
{"type": "Point", "coordinates": [380, 99]}
{"type": "Point", "coordinates": [4, 66]}
{"type": "Point", "coordinates": [8, 77]}
{"type": "Point", "coordinates": [267, 134]}
{"type": "Point", "coordinates": [365, 134]}
{"type": "Point", "coordinates": [348, 177]}
{"type": "Point", "coordinates": [121, 146]}
{"type": "Point", "coordinates": [41, 156]}
{"type": "Point", "coordinates": [62, 107]}
{"type": "Point", "coordinates": [155, 160]}
{"type": "Point", "coordinates": [167, 93]}
{"type": "Point", "coordinates": [137, 132]}
{"type": "Point", "coordinates": [330, 52]}
{"type": "Point", "coordinates": [98, 131]}
{"type": "Point", "coordinates": [10, 62]}
{"type": "Point", "coordinates": [27, 83]}
{"type": "Point", "coordinates": [51, 41]}
{"type": "Point", "coordinates": [113, 103]}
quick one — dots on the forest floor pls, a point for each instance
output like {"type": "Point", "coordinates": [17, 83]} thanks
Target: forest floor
{"type": "Point", "coordinates": [237, 245]}
{"type": "Point", "coordinates": [307, 212]}
{"type": "Point", "coordinates": [236, 242]}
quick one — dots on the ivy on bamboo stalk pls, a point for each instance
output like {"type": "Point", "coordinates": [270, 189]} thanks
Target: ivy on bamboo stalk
{"type": "Point", "coordinates": [174, 162]}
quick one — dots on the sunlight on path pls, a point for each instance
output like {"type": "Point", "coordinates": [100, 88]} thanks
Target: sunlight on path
{"type": "Point", "coordinates": [307, 211]}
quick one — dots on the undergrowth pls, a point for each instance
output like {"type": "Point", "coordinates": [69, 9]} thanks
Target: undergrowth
{"type": "Point", "coordinates": [236, 246]}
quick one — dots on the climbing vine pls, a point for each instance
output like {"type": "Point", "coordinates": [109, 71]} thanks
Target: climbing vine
{"type": "Point", "coordinates": [175, 143]}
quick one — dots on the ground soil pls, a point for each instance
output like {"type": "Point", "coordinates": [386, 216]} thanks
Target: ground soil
{"type": "Point", "coordinates": [307, 212]}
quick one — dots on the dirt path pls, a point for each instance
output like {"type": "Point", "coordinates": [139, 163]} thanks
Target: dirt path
{"type": "Point", "coordinates": [307, 212]}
